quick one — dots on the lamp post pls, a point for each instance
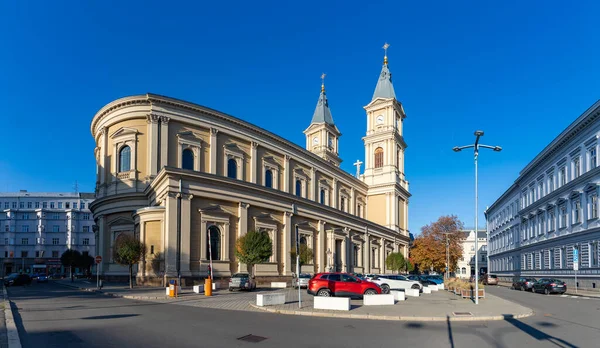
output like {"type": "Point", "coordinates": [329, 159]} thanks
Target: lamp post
{"type": "Point", "coordinates": [476, 147]}
{"type": "Point", "coordinates": [298, 261]}
{"type": "Point", "coordinates": [447, 256]}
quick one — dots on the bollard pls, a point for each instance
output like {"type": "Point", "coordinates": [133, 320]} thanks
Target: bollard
{"type": "Point", "coordinates": [208, 287]}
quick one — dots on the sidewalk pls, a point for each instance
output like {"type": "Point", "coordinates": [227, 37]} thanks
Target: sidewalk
{"type": "Point", "coordinates": [123, 290]}
{"type": "Point", "coordinates": [570, 291]}
{"type": "Point", "coordinates": [437, 306]}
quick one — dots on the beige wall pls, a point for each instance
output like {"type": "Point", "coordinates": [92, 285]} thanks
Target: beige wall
{"type": "Point", "coordinates": [204, 133]}
{"type": "Point", "coordinates": [377, 209]}
{"type": "Point", "coordinates": [142, 145]}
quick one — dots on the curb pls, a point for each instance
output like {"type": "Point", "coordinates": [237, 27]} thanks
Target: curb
{"type": "Point", "coordinates": [109, 294]}
{"type": "Point", "coordinates": [12, 333]}
{"type": "Point", "coordinates": [387, 317]}
{"type": "Point", "coordinates": [594, 296]}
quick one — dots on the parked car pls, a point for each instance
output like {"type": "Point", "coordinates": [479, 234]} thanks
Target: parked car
{"type": "Point", "coordinates": [490, 279]}
{"type": "Point", "coordinates": [523, 284]}
{"type": "Point", "coordinates": [341, 284]}
{"type": "Point", "coordinates": [42, 278]}
{"type": "Point", "coordinates": [17, 279]}
{"type": "Point", "coordinates": [549, 286]}
{"type": "Point", "coordinates": [437, 279]}
{"type": "Point", "coordinates": [241, 281]}
{"type": "Point", "coordinates": [301, 281]}
{"type": "Point", "coordinates": [396, 282]}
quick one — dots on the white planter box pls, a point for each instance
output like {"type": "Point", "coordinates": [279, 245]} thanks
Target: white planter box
{"type": "Point", "coordinates": [270, 299]}
{"type": "Point", "coordinates": [281, 285]}
{"type": "Point", "coordinates": [411, 292]}
{"type": "Point", "coordinates": [167, 288]}
{"type": "Point", "coordinates": [215, 286]}
{"type": "Point", "coordinates": [380, 299]}
{"type": "Point", "coordinates": [198, 289]}
{"type": "Point", "coordinates": [433, 287]}
{"type": "Point", "coordinates": [426, 290]}
{"type": "Point", "coordinates": [440, 286]}
{"type": "Point", "coordinates": [398, 295]}
{"type": "Point", "coordinates": [333, 303]}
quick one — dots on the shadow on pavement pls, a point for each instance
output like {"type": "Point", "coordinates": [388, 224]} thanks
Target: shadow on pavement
{"type": "Point", "coordinates": [535, 333]}
{"type": "Point", "coordinates": [450, 337]}
{"type": "Point", "coordinates": [112, 316]}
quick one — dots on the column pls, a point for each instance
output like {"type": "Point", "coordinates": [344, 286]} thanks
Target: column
{"type": "Point", "coordinates": [405, 217]}
{"type": "Point", "coordinates": [203, 239]}
{"type": "Point", "coordinates": [352, 203]}
{"type": "Point", "coordinates": [313, 184]}
{"type": "Point", "coordinates": [226, 237]}
{"type": "Point", "coordinates": [253, 161]}
{"type": "Point", "coordinates": [164, 141]}
{"type": "Point", "coordinates": [349, 251]}
{"type": "Point", "coordinates": [170, 234]}
{"type": "Point", "coordinates": [367, 252]}
{"type": "Point", "coordinates": [243, 229]}
{"type": "Point", "coordinates": [143, 240]}
{"type": "Point", "coordinates": [213, 150]}
{"type": "Point", "coordinates": [103, 234]}
{"type": "Point", "coordinates": [287, 242]}
{"type": "Point", "coordinates": [186, 217]}
{"type": "Point", "coordinates": [103, 147]}
{"type": "Point", "coordinates": [584, 210]}
{"type": "Point", "coordinates": [334, 195]}
{"type": "Point", "coordinates": [382, 252]}
{"type": "Point", "coordinates": [286, 173]}
{"type": "Point", "coordinates": [321, 247]}
{"type": "Point", "coordinates": [395, 215]}
{"type": "Point", "coordinates": [152, 154]}
{"type": "Point", "coordinates": [388, 207]}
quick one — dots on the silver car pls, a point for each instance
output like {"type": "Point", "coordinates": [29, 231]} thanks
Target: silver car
{"type": "Point", "coordinates": [241, 281]}
{"type": "Point", "coordinates": [301, 281]}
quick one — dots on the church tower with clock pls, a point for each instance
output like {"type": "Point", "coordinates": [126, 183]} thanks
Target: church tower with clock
{"type": "Point", "coordinates": [322, 135]}
{"type": "Point", "coordinates": [387, 199]}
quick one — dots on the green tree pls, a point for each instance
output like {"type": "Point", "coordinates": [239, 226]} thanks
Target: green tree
{"type": "Point", "coordinates": [70, 258]}
{"type": "Point", "coordinates": [86, 262]}
{"type": "Point", "coordinates": [408, 266]}
{"type": "Point", "coordinates": [128, 251]}
{"type": "Point", "coordinates": [252, 248]}
{"type": "Point", "coordinates": [306, 256]}
{"type": "Point", "coordinates": [395, 262]}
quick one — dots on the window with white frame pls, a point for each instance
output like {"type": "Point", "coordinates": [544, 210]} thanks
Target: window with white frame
{"type": "Point", "coordinates": [86, 241]}
{"type": "Point", "coordinates": [29, 205]}
{"type": "Point", "coordinates": [55, 241]}
{"type": "Point", "coordinates": [344, 199]}
{"type": "Point", "coordinates": [189, 148]}
{"type": "Point", "coordinates": [124, 159]}
{"type": "Point", "coordinates": [576, 167]}
{"type": "Point", "coordinates": [593, 158]}
{"type": "Point", "coordinates": [25, 228]}
{"type": "Point", "coordinates": [55, 228]}
{"type": "Point", "coordinates": [44, 205]}
{"type": "Point", "coordinates": [563, 176]}
{"type": "Point", "coordinates": [125, 145]}
{"type": "Point", "coordinates": [593, 254]}
{"type": "Point", "coordinates": [14, 205]}
{"type": "Point", "coordinates": [576, 211]}
{"type": "Point", "coordinates": [532, 194]}
{"type": "Point", "coordinates": [24, 241]}
{"type": "Point", "coordinates": [593, 206]}
{"type": "Point", "coordinates": [563, 216]}
{"type": "Point", "coordinates": [60, 205]}
{"type": "Point", "coordinates": [300, 183]}
{"type": "Point", "coordinates": [51, 205]}
{"type": "Point", "coordinates": [233, 161]}
{"type": "Point", "coordinates": [86, 229]}
{"type": "Point", "coordinates": [551, 259]}
{"type": "Point", "coordinates": [270, 168]}
{"type": "Point", "coordinates": [550, 182]}
{"type": "Point", "coordinates": [542, 219]}
{"type": "Point", "coordinates": [86, 216]}
{"type": "Point", "coordinates": [540, 189]}
{"type": "Point", "coordinates": [26, 216]}
{"type": "Point", "coordinates": [551, 219]}
{"type": "Point", "coordinates": [21, 205]}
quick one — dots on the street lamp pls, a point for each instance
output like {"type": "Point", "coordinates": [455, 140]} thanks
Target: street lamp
{"type": "Point", "coordinates": [447, 255]}
{"type": "Point", "coordinates": [476, 147]}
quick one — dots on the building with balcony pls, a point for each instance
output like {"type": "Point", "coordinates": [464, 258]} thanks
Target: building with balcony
{"type": "Point", "coordinates": [37, 227]}
{"type": "Point", "coordinates": [466, 265]}
{"type": "Point", "coordinates": [165, 165]}
{"type": "Point", "coordinates": [551, 210]}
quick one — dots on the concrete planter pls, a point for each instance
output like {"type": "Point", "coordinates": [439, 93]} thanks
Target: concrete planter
{"type": "Point", "coordinates": [470, 293]}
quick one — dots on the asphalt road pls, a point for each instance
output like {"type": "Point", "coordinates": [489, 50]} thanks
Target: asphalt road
{"type": "Point", "coordinates": [48, 315]}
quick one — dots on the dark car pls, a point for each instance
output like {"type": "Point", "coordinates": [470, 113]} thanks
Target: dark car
{"type": "Point", "coordinates": [42, 278]}
{"type": "Point", "coordinates": [341, 284]}
{"type": "Point", "coordinates": [17, 279]}
{"type": "Point", "coordinates": [523, 284]}
{"type": "Point", "coordinates": [549, 286]}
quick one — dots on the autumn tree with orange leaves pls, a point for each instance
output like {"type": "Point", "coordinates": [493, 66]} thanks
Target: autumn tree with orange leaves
{"type": "Point", "coordinates": [429, 248]}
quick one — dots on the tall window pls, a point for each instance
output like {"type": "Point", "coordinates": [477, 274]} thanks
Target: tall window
{"type": "Point", "coordinates": [322, 196]}
{"type": "Point", "coordinates": [125, 159]}
{"type": "Point", "coordinates": [577, 212]}
{"type": "Point", "coordinates": [563, 176]}
{"type": "Point", "coordinates": [269, 178]}
{"type": "Point", "coordinates": [550, 183]}
{"type": "Point", "coordinates": [594, 254]}
{"type": "Point", "coordinates": [359, 210]}
{"type": "Point", "coordinates": [563, 257]}
{"type": "Point", "coordinates": [563, 217]}
{"type": "Point", "coordinates": [576, 168]}
{"type": "Point", "coordinates": [593, 160]}
{"type": "Point", "coordinates": [187, 159]}
{"type": "Point", "coordinates": [29, 205]}
{"type": "Point", "coordinates": [86, 241]}
{"type": "Point", "coordinates": [232, 168]}
{"type": "Point", "coordinates": [551, 261]}
{"type": "Point", "coordinates": [298, 188]}
{"type": "Point", "coordinates": [355, 258]}
{"type": "Point", "coordinates": [551, 220]}
{"type": "Point", "coordinates": [343, 204]}
{"type": "Point", "coordinates": [542, 260]}
{"type": "Point", "coordinates": [594, 206]}
{"type": "Point", "coordinates": [215, 243]}
{"type": "Point", "coordinates": [55, 241]}
{"type": "Point", "coordinates": [378, 157]}
{"type": "Point", "coordinates": [540, 190]}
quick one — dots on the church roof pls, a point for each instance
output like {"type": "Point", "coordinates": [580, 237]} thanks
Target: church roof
{"type": "Point", "coordinates": [385, 88]}
{"type": "Point", "coordinates": [322, 113]}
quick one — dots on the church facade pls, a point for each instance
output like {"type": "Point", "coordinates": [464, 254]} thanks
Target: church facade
{"type": "Point", "coordinates": [188, 181]}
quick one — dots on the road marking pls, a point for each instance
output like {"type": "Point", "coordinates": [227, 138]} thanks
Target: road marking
{"type": "Point", "coordinates": [585, 298]}
{"type": "Point", "coordinates": [574, 296]}
{"type": "Point", "coordinates": [564, 295]}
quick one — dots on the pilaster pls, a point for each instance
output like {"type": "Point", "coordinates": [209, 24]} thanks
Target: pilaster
{"type": "Point", "coordinates": [253, 162]}
{"type": "Point", "coordinates": [287, 243]}
{"type": "Point", "coordinates": [367, 251]}
{"type": "Point", "coordinates": [382, 255]}
{"type": "Point", "coordinates": [152, 144]}
{"type": "Point", "coordinates": [322, 255]}
{"type": "Point", "coordinates": [186, 217]}
{"type": "Point", "coordinates": [213, 150]}
{"type": "Point", "coordinates": [171, 234]}
{"type": "Point", "coordinates": [103, 161]}
{"type": "Point", "coordinates": [164, 141]}
{"type": "Point", "coordinates": [286, 173]}
{"type": "Point", "coordinates": [334, 194]}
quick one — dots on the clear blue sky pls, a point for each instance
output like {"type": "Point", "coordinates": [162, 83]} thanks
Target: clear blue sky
{"type": "Point", "coordinates": [520, 72]}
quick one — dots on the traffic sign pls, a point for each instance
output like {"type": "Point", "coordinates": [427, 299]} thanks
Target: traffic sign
{"type": "Point", "coordinates": [98, 259]}
{"type": "Point", "coordinates": [575, 259]}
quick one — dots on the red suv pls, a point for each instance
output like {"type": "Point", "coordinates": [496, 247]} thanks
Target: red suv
{"type": "Point", "coordinates": [341, 284]}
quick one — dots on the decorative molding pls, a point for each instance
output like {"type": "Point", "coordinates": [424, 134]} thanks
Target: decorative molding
{"type": "Point", "coordinates": [254, 144]}
{"type": "Point", "coordinates": [214, 131]}
{"type": "Point", "coordinates": [152, 118]}
{"type": "Point", "coordinates": [244, 205]}
{"type": "Point", "coordinates": [165, 119]}
{"type": "Point", "coordinates": [575, 152]}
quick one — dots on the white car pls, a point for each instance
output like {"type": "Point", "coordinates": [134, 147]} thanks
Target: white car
{"type": "Point", "coordinates": [389, 282]}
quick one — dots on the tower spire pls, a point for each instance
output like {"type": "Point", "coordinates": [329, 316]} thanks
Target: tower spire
{"type": "Point", "coordinates": [323, 83]}
{"type": "Point", "coordinates": [384, 88]}
{"type": "Point", "coordinates": [322, 113]}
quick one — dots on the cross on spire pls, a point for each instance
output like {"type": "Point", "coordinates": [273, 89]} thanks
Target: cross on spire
{"type": "Point", "coordinates": [357, 164]}
{"type": "Point", "coordinates": [323, 82]}
{"type": "Point", "coordinates": [385, 47]}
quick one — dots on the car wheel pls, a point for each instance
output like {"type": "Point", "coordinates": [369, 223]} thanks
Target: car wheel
{"type": "Point", "coordinates": [415, 286]}
{"type": "Point", "coordinates": [230, 289]}
{"type": "Point", "coordinates": [512, 287]}
{"type": "Point", "coordinates": [546, 291]}
{"type": "Point", "coordinates": [370, 292]}
{"type": "Point", "coordinates": [522, 288]}
{"type": "Point", "coordinates": [385, 289]}
{"type": "Point", "coordinates": [323, 293]}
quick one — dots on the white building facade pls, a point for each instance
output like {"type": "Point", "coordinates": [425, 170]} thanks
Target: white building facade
{"type": "Point", "coordinates": [552, 210]}
{"type": "Point", "coordinates": [465, 267]}
{"type": "Point", "coordinates": [36, 228]}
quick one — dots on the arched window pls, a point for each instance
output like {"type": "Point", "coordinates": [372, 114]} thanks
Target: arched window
{"type": "Point", "coordinates": [302, 240]}
{"type": "Point", "coordinates": [378, 157]}
{"type": "Point", "coordinates": [232, 168]}
{"type": "Point", "coordinates": [464, 270]}
{"type": "Point", "coordinates": [355, 258]}
{"type": "Point", "coordinates": [322, 197]}
{"type": "Point", "coordinates": [187, 159]}
{"type": "Point", "coordinates": [298, 188]}
{"type": "Point", "coordinates": [125, 159]}
{"type": "Point", "coordinates": [213, 249]}
{"type": "Point", "coordinates": [268, 178]}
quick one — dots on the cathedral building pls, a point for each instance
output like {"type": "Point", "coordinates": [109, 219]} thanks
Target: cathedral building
{"type": "Point", "coordinates": [188, 181]}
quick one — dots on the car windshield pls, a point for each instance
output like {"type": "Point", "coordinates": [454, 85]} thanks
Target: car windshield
{"type": "Point", "coordinates": [493, 276]}
{"type": "Point", "coordinates": [240, 275]}
{"type": "Point", "coordinates": [304, 276]}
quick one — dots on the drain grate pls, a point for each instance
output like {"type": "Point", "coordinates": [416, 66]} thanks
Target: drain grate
{"type": "Point", "coordinates": [462, 314]}
{"type": "Point", "coordinates": [252, 338]}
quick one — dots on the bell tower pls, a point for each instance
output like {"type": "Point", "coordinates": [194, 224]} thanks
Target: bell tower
{"type": "Point", "coordinates": [322, 135]}
{"type": "Point", "coordinates": [387, 199]}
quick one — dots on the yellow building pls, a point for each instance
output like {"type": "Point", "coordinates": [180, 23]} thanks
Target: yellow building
{"type": "Point", "coordinates": [164, 163]}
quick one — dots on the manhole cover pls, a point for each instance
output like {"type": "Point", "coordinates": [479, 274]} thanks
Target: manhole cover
{"type": "Point", "coordinates": [462, 314]}
{"type": "Point", "coordinates": [252, 338]}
